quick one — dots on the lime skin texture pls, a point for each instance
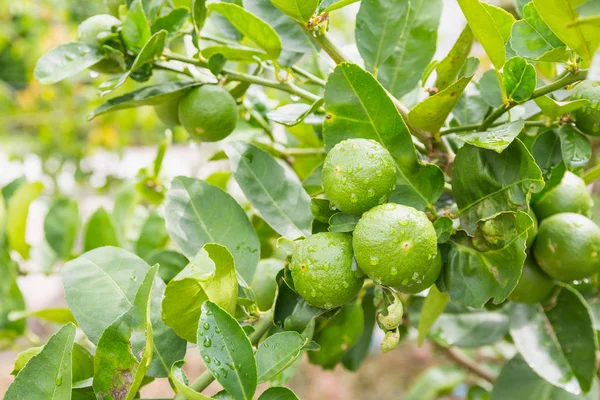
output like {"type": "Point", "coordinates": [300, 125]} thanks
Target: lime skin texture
{"type": "Point", "coordinates": [570, 195]}
{"type": "Point", "coordinates": [587, 118]}
{"type": "Point", "coordinates": [534, 286]}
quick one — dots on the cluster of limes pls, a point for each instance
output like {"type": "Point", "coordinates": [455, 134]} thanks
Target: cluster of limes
{"type": "Point", "coordinates": [565, 247]}
{"type": "Point", "coordinates": [392, 244]}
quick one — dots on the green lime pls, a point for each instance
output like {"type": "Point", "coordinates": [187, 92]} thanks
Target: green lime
{"type": "Point", "coordinates": [567, 247]}
{"type": "Point", "coordinates": [395, 245]}
{"type": "Point", "coordinates": [587, 118]}
{"type": "Point", "coordinates": [208, 113]}
{"type": "Point", "coordinates": [263, 283]}
{"type": "Point", "coordinates": [358, 174]}
{"type": "Point", "coordinates": [168, 112]}
{"type": "Point", "coordinates": [533, 231]}
{"type": "Point", "coordinates": [95, 30]}
{"type": "Point", "coordinates": [428, 279]}
{"type": "Point", "coordinates": [323, 270]}
{"type": "Point", "coordinates": [533, 286]}
{"type": "Point", "coordinates": [570, 195]}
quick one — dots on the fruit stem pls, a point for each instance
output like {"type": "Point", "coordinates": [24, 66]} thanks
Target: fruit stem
{"type": "Point", "coordinates": [462, 359]}
{"type": "Point", "coordinates": [539, 92]}
{"type": "Point", "coordinates": [473, 127]}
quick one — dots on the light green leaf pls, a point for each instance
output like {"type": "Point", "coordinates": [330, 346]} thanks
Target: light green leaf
{"type": "Point", "coordinates": [199, 13]}
{"type": "Point", "coordinates": [180, 381]}
{"type": "Point", "coordinates": [232, 53]}
{"type": "Point", "coordinates": [341, 222]}
{"type": "Point", "coordinates": [64, 61]}
{"type": "Point", "coordinates": [557, 341]}
{"type": "Point", "coordinates": [171, 22]}
{"type": "Point", "coordinates": [576, 148]}
{"type": "Point", "coordinates": [433, 383]}
{"type": "Point", "coordinates": [24, 357]}
{"type": "Point", "coordinates": [433, 307]}
{"type": "Point", "coordinates": [502, 19]}
{"type": "Point", "coordinates": [194, 213]}
{"type": "Point", "coordinates": [100, 231]}
{"type": "Point", "coordinates": [490, 88]}
{"type": "Point", "coordinates": [48, 374]}
{"type": "Point", "coordinates": [278, 393]}
{"type": "Point", "coordinates": [227, 352]}
{"type": "Point", "coordinates": [16, 216]}
{"type": "Point", "coordinates": [293, 114]}
{"type": "Point", "coordinates": [62, 225]}
{"type": "Point", "coordinates": [358, 107]}
{"type": "Point", "coordinates": [431, 113]}
{"type": "Point", "coordinates": [298, 10]}
{"type": "Point", "coordinates": [2, 215]}
{"type": "Point", "coordinates": [519, 79]}
{"type": "Point", "coordinates": [444, 228]}
{"type": "Point", "coordinates": [553, 108]}
{"type": "Point", "coordinates": [153, 235]}
{"type": "Point", "coordinates": [57, 315]}
{"type": "Point", "coordinates": [485, 182]}
{"type": "Point", "coordinates": [136, 29]}
{"type": "Point", "coordinates": [210, 275]}
{"type": "Point", "coordinates": [272, 188]}
{"type": "Point", "coordinates": [497, 139]}
{"type": "Point", "coordinates": [278, 352]}
{"type": "Point", "coordinates": [448, 69]}
{"type": "Point", "coordinates": [264, 284]}
{"type": "Point", "coordinates": [257, 30]}
{"type": "Point", "coordinates": [332, 5]}
{"type": "Point", "coordinates": [561, 17]}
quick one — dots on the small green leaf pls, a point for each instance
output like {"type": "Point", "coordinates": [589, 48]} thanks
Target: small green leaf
{"type": "Point", "coordinates": [62, 225]}
{"type": "Point", "coordinates": [293, 114]}
{"type": "Point", "coordinates": [548, 156]}
{"type": "Point", "coordinates": [232, 53]}
{"type": "Point", "coordinates": [278, 393]}
{"type": "Point", "coordinates": [180, 381]}
{"type": "Point", "coordinates": [576, 148]}
{"type": "Point", "coordinates": [136, 29]}
{"type": "Point", "coordinates": [57, 315]}
{"type": "Point", "coordinates": [153, 235]}
{"type": "Point", "coordinates": [24, 357]}
{"type": "Point", "coordinates": [199, 13]}
{"type": "Point", "coordinates": [171, 263]}
{"type": "Point", "coordinates": [332, 5]}
{"type": "Point", "coordinates": [298, 10]}
{"type": "Point", "coordinates": [172, 21]}
{"type": "Point", "coordinates": [341, 222]}
{"type": "Point", "coordinates": [450, 66]}
{"type": "Point", "coordinates": [554, 109]}
{"type": "Point", "coordinates": [433, 307]}
{"type": "Point", "coordinates": [444, 228]}
{"type": "Point", "coordinates": [278, 352]}
{"type": "Point", "coordinates": [64, 61]}
{"type": "Point", "coordinates": [227, 352]}
{"type": "Point", "coordinates": [497, 139]}
{"type": "Point", "coordinates": [12, 298]}
{"type": "Point", "coordinates": [519, 79]}
{"type": "Point", "coordinates": [16, 216]}
{"type": "Point", "coordinates": [490, 88]}
{"type": "Point", "coordinates": [216, 63]}
{"type": "Point", "coordinates": [100, 231]}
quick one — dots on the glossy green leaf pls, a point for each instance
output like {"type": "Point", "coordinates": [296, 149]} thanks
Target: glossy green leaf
{"type": "Point", "coordinates": [171, 263]}
{"type": "Point", "coordinates": [532, 39]}
{"type": "Point", "coordinates": [548, 156]}
{"type": "Point", "coordinates": [120, 363]}
{"type": "Point", "coordinates": [57, 315]}
{"type": "Point", "coordinates": [332, 5]}
{"type": "Point", "coordinates": [293, 114]}
{"type": "Point", "coordinates": [153, 235]}
{"type": "Point", "coordinates": [496, 139]}
{"type": "Point", "coordinates": [272, 188]}
{"type": "Point", "coordinates": [518, 381]}
{"type": "Point", "coordinates": [490, 88]}
{"type": "Point", "coordinates": [227, 352]}
{"type": "Point", "coordinates": [64, 61]}
{"type": "Point", "coordinates": [519, 79]}
{"type": "Point", "coordinates": [136, 28]}
{"type": "Point", "coordinates": [561, 17]}
{"type": "Point", "coordinates": [299, 10]}
{"type": "Point", "coordinates": [434, 382]}
{"type": "Point", "coordinates": [210, 275]}
{"type": "Point", "coordinates": [194, 213]}
{"type": "Point", "coordinates": [576, 148]}
{"type": "Point", "coordinates": [50, 370]}
{"type": "Point", "coordinates": [199, 14]}
{"type": "Point", "coordinates": [433, 307]}
{"type": "Point", "coordinates": [100, 231]}
{"type": "Point", "coordinates": [278, 393]}
{"type": "Point", "coordinates": [557, 341]}
{"type": "Point", "coordinates": [278, 352]}
{"type": "Point", "coordinates": [487, 265]}
{"type": "Point", "coordinates": [485, 182]}
{"type": "Point", "coordinates": [171, 22]}
{"type": "Point", "coordinates": [341, 222]}
{"type": "Point", "coordinates": [358, 107]}
{"type": "Point", "coordinates": [12, 298]}
{"type": "Point", "coordinates": [554, 109]}
{"type": "Point", "coordinates": [414, 46]}
{"type": "Point", "coordinates": [61, 226]}
{"type": "Point", "coordinates": [444, 228]}
{"type": "Point", "coordinates": [431, 113]}
{"type": "Point", "coordinates": [180, 381]}
{"type": "Point", "coordinates": [16, 216]}
{"type": "Point", "coordinates": [257, 30]}
{"type": "Point", "coordinates": [447, 70]}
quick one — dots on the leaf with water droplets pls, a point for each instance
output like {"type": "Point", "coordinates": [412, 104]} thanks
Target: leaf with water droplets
{"type": "Point", "coordinates": [576, 148]}
{"type": "Point", "coordinates": [64, 61]}
{"type": "Point", "coordinates": [227, 351]}
{"type": "Point", "coordinates": [278, 352]}
{"type": "Point", "coordinates": [497, 139]}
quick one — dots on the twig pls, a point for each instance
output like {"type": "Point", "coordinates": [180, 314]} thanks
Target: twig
{"type": "Point", "coordinates": [473, 127]}
{"type": "Point", "coordinates": [462, 359]}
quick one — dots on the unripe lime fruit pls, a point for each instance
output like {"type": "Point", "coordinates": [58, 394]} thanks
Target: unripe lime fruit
{"type": "Point", "coordinates": [323, 270]}
{"type": "Point", "coordinates": [91, 31]}
{"type": "Point", "coordinates": [395, 245]}
{"type": "Point", "coordinates": [208, 113]}
{"type": "Point", "coordinates": [358, 174]}
{"type": "Point", "coordinates": [587, 118]}
{"type": "Point", "coordinates": [533, 231]}
{"type": "Point", "coordinates": [570, 195]}
{"type": "Point", "coordinates": [263, 283]}
{"type": "Point", "coordinates": [567, 247]}
{"type": "Point", "coordinates": [428, 279]}
{"type": "Point", "coordinates": [168, 112]}
{"type": "Point", "coordinates": [534, 285]}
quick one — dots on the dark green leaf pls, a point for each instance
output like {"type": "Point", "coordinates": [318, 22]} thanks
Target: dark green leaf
{"type": "Point", "coordinates": [519, 79]}
{"type": "Point", "coordinates": [490, 89]}
{"type": "Point", "coordinates": [216, 63]}
{"type": "Point", "coordinates": [343, 222]}
{"type": "Point", "coordinates": [470, 109]}
{"type": "Point", "coordinates": [100, 231]}
{"type": "Point", "coordinates": [12, 298]}
{"type": "Point", "coordinates": [199, 13]}
{"type": "Point", "coordinates": [497, 139]}
{"type": "Point", "coordinates": [153, 235]}
{"type": "Point", "coordinates": [548, 156]}
{"type": "Point", "coordinates": [433, 307]}
{"type": "Point", "coordinates": [136, 29]}
{"type": "Point", "coordinates": [171, 263]}
{"type": "Point", "coordinates": [298, 10]}
{"type": "Point", "coordinates": [172, 21]}
{"type": "Point", "coordinates": [444, 228]}
{"type": "Point", "coordinates": [278, 393]}
{"type": "Point", "coordinates": [293, 114]}
{"type": "Point", "coordinates": [449, 67]}
{"type": "Point", "coordinates": [576, 148]}
{"type": "Point", "coordinates": [64, 61]}
{"type": "Point", "coordinates": [359, 352]}
{"type": "Point", "coordinates": [61, 226]}
{"type": "Point", "coordinates": [278, 352]}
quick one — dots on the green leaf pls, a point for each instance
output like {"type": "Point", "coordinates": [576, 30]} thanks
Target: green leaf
{"type": "Point", "coordinates": [450, 66]}
{"type": "Point", "coordinates": [12, 298]}
{"type": "Point", "coordinates": [434, 382]}
{"type": "Point", "coordinates": [257, 30]}
{"type": "Point", "coordinates": [431, 113]}
{"type": "Point", "coordinates": [519, 79]}
{"type": "Point", "coordinates": [341, 222]}
{"type": "Point", "coordinates": [358, 107]}
{"type": "Point", "coordinates": [338, 335]}
{"type": "Point", "coordinates": [171, 22]}
{"type": "Point", "coordinates": [278, 393]}
{"type": "Point", "coordinates": [272, 188]}
{"type": "Point", "coordinates": [2, 216]}
{"type": "Point", "coordinates": [199, 13]}
{"type": "Point", "coordinates": [100, 231]}
{"type": "Point", "coordinates": [332, 5]}
{"type": "Point", "coordinates": [232, 53]}
{"type": "Point", "coordinates": [146, 96]}
{"type": "Point", "coordinates": [576, 148]}
{"type": "Point", "coordinates": [180, 381]}
{"type": "Point", "coordinates": [227, 352]}
{"type": "Point", "coordinates": [16, 216]}
{"type": "Point", "coordinates": [293, 114]}
{"type": "Point", "coordinates": [548, 156]}
{"type": "Point", "coordinates": [557, 341]}
{"type": "Point", "coordinates": [433, 307]}
{"type": "Point", "coordinates": [57, 315]}
{"type": "Point", "coordinates": [561, 17]}
{"type": "Point", "coordinates": [554, 109]}
{"type": "Point", "coordinates": [24, 357]}
{"type": "Point", "coordinates": [210, 275]}
{"type": "Point", "coordinates": [120, 363]}
{"type": "Point", "coordinates": [518, 381]}
{"type": "Point", "coordinates": [496, 139]}
{"type": "Point", "coordinates": [136, 29]}
{"type": "Point", "coordinates": [485, 182]}
{"type": "Point", "coordinates": [64, 61]}
{"type": "Point", "coordinates": [194, 213]}
{"type": "Point", "coordinates": [487, 265]}
{"type": "Point", "coordinates": [470, 109]}
{"type": "Point", "coordinates": [490, 89]}
{"type": "Point", "coordinates": [531, 38]}
{"type": "Point", "coordinates": [359, 352]}
{"type": "Point", "coordinates": [171, 263]}
{"type": "Point", "coordinates": [444, 228]}
{"type": "Point", "coordinates": [278, 352]}
{"type": "Point", "coordinates": [414, 47]}
{"type": "Point", "coordinates": [264, 284]}
{"type": "Point", "coordinates": [48, 374]}
{"type": "Point", "coordinates": [502, 19]}
{"type": "Point", "coordinates": [61, 226]}
{"type": "Point", "coordinates": [298, 10]}
{"type": "Point", "coordinates": [153, 235]}
{"type": "Point", "coordinates": [487, 30]}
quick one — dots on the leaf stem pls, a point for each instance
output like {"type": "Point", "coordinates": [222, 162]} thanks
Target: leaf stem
{"type": "Point", "coordinates": [313, 78]}
{"type": "Point", "coordinates": [465, 128]}
{"type": "Point", "coordinates": [459, 357]}
{"type": "Point", "coordinates": [542, 91]}
{"type": "Point", "coordinates": [591, 174]}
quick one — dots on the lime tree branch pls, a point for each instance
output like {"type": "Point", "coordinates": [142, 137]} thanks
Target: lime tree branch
{"type": "Point", "coordinates": [463, 360]}
{"type": "Point", "coordinates": [539, 92]}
